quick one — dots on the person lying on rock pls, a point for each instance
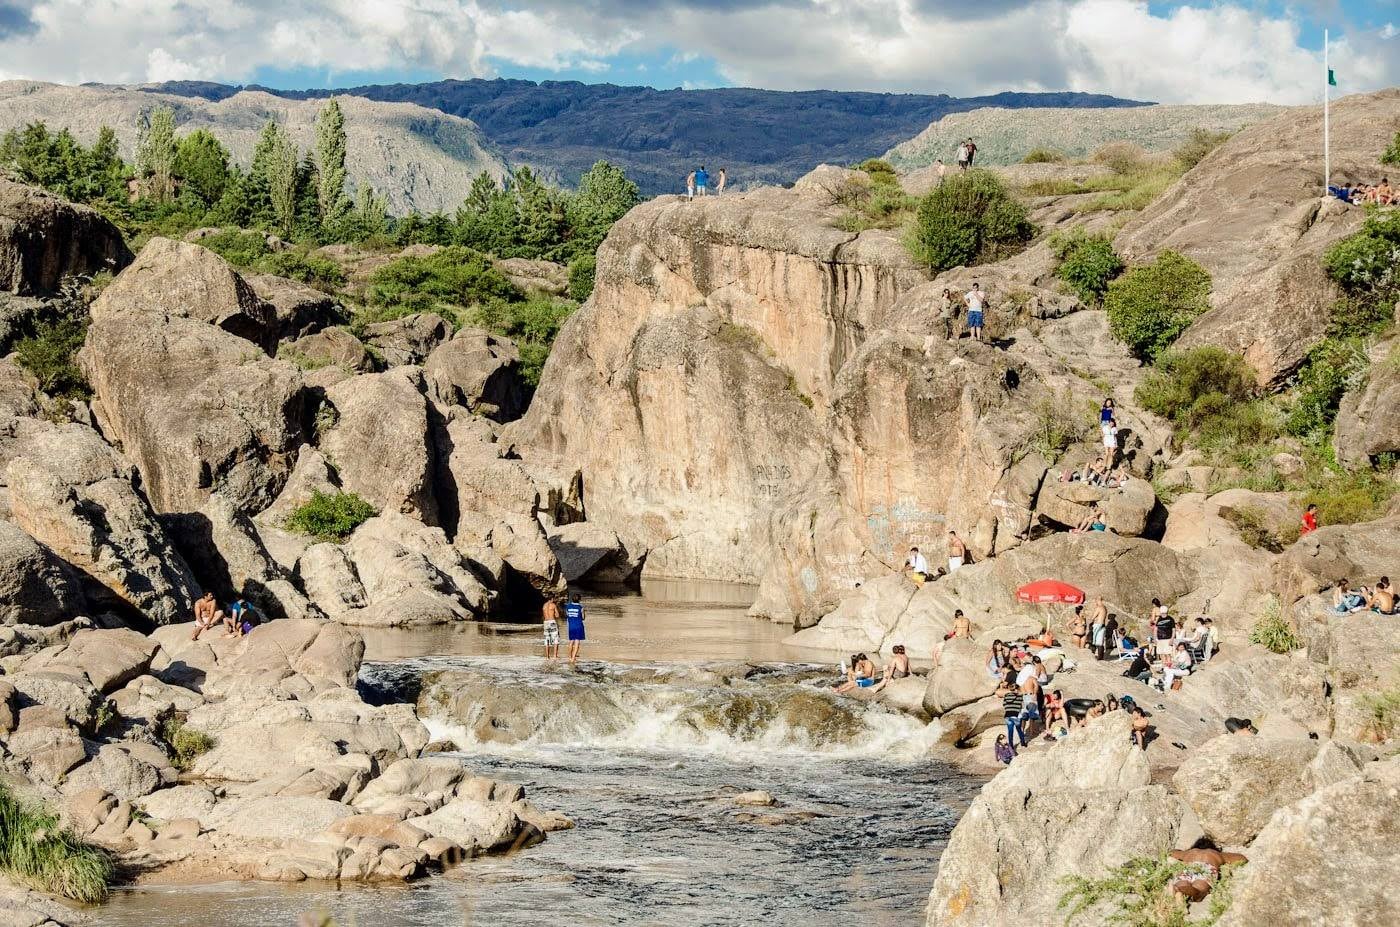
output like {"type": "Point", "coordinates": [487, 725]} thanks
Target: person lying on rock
{"type": "Point", "coordinates": [1203, 864]}
{"type": "Point", "coordinates": [1242, 726]}
{"type": "Point", "coordinates": [206, 615]}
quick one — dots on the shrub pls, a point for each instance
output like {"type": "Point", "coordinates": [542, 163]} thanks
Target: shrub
{"type": "Point", "coordinates": [583, 271]}
{"type": "Point", "coordinates": [37, 850]}
{"type": "Point", "coordinates": [331, 516]}
{"type": "Point", "coordinates": [185, 743]}
{"type": "Point", "coordinates": [1189, 387]}
{"type": "Point", "coordinates": [1121, 157]}
{"type": "Point", "coordinates": [1056, 425]}
{"type": "Point", "coordinates": [239, 248]}
{"type": "Point", "coordinates": [1274, 632]}
{"type": "Point", "coordinates": [1346, 498]}
{"type": "Point", "coordinates": [1253, 528]}
{"type": "Point", "coordinates": [1136, 894]}
{"type": "Point", "coordinates": [317, 271]}
{"type": "Point", "coordinates": [1367, 268]}
{"type": "Point", "coordinates": [1044, 156]}
{"type": "Point", "coordinates": [1331, 368]}
{"type": "Point", "coordinates": [1200, 143]}
{"type": "Point", "coordinates": [454, 276]}
{"type": "Point", "coordinates": [50, 343]}
{"type": "Point", "coordinates": [532, 324]}
{"type": "Point", "coordinates": [1392, 154]}
{"type": "Point", "coordinates": [1151, 305]}
{"type": "Point", "coordinates": [967, 219]}
{"type": "Point", "coordinates": [1384, 709]}
{"type": "Point", "coordinates": [879, 169]}
{"type": "Point", "coordinates": [1087, 263]}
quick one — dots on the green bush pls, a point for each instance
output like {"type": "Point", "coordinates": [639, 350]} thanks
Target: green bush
{"type": "Point", "coordinates": [1136, 894]}
{"type": "Point", "coordinates": [319, 272]}
{"type": "Point", "coordinates": [1087, 263]}
{"type": "Point", "coordinates": [1152, 304]}
{"type": "Point", "coordinates": [1331, 368]}
{"type": "Point", "coordinates": [240, 248]}
{"type": "Point", "coordinates": [879, 169]}
{"type": "Point", "coordinates": [331, 516]}
{"type": "Point", "coordinates": [1189, 387]}
{"type": "Point", "coordinates": [1347, 498]}
{"type": "Point", "coordinates": [50, 355]}
{"type": "Point", "coordinates": [185, 743]}
{"type": "Point", "coordinates": [1392, 154]}
{"type": "Point", "coordinates": [967, 219]}
{"type": "Point", "coordinates": [582, 275]}
{"type": "Point", "coordinates": [1044, 156]}
{"type": "Point", "coordinates": [532, 324]}
{"type": "Point", "coordinates": [37, 850]}
{"type": "Point", "coordinates": [1367, 268]}
{"type": "Point", "coordinates": [454, 276]}
{"type": "Point", "coordinates": [1252, 525]}
{"type": "Point", "coordinates": [1274, 632]}
{"type": "Point", "coordinates": [1121, 157]}
{"type": "Point", "coordinates": [1200, 143]}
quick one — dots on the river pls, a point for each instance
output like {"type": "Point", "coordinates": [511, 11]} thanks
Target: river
{"type": "Point", "coordinates": [659, 839]}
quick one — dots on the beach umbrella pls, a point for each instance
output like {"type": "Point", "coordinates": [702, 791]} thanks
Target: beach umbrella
{"type": "Point", "coordinates": [1050, 590]}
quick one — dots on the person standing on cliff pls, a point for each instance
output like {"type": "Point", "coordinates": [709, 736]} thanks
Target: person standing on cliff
{"type": "Point", "coordinates": [957, 551]}
{"type": "Point", "coordinates": [971, 152]}
{"type": "Point", "coordinates": [962, 156]}
{"type": "Point", "coordinates": [690, 186]}
{"type": "Point", "coordinates": [551, 629]}
{"type": "Point", "coordinates": [702, 182]}
{"type": "Point", "coordinates": [573, 613]}
{"type": "Point", "coordinates": [975, 300]}
{"type": "Point", "coordinates": [942, 170]}
{"type": "Point", "coordinates": [723, 179]}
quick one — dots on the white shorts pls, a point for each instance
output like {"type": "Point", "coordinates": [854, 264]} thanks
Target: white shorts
{"type": "Point", "coordinates": [954, 563]}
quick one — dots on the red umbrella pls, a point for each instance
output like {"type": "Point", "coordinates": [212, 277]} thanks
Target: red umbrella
{"type": "Point", "coordinates": [1050, 590]}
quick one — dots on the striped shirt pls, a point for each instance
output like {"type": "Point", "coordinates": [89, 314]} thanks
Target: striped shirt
{"type": "Point", "coordinates": [1011, 704]}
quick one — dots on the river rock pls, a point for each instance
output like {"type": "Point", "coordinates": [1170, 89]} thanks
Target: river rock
{"type": "Point", "coordinates": [521, 543]}
{"type": "Point", "coordinates": [1234, 784]}
{"type": "Point", "coordinates": [108, 658]}
{"type": "Point", "coordinates": [35, 585]}
{"type": "Point", "coordinates": [181, 381]}
{"type": "Point", "coordinates": [125, 770]}
{"type": "Point", "coordinates": [1250, 214]}
{"type": "Point", "coordinates": [475, 825]}
{"type": "Point", "coordinates": [23, 907]}
{"type": "Point", "coordinates": [73, 493]}
{"type": "Point", "coordinates": [48, 753]}
{"type": "Point", "coordinates": [1078, 808]}
{"type": "Point", "coordinates": [44, 238]}
{"type": "Point", "coordinates": [381, 444]}
{"type": "Point", "coordinates": [298, 310]}
{"type": "Point", "coordinates": [278, 817]}
{"type": "Point", "coordinates": [323, 653]}
{"type": "Point", "coordinates": [479, 371]}
{"type": "Point", "coordinates": [1328, 858]}
{"type": "Point", "coordinates": [959, 678]}
{"type": "Point", "coordinates": [408, 340]}
{"type": "Point", "coordinates": [592, 553]}
{"type": "Point", "coordinates": [408, 572]}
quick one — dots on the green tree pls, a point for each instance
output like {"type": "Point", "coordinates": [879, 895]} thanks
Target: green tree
{"type": "Point", "coordinates": [1392, 154]}
{"type": "Point", "coordinates": [487, 220]}
{"type": "Point", "coordinates": [968, 219]}
{"type": "Point", "coordinates": [57, 162]}
{"type": "Point", "coordinates": [330, 165]}
{"type": "Point", "coordinates": [583, 272]}
{"type": "Point", "coordinates": [155, 153]}
{"type": "Point", "coordinates": [1087, 263]}
{"type": "Point", "coordinates": [605, 194]}
{"type": "Point", "coordinates": [1151, 305]}
{"type": "Point", "coordinates": [543, 222]}
{"type": "Point", "coordinates": [275, 173]}
{"type": "Point", "coordinates": [202, 164]}
{"type": "Point", "coordinates": [371, 212]}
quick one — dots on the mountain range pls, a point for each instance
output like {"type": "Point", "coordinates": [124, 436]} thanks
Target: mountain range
{"type": "Point", "coordinates": [658, 136]}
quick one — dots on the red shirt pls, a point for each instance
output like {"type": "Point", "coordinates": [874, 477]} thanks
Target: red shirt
{"type": "Point", "coordinates": [1309, 523]}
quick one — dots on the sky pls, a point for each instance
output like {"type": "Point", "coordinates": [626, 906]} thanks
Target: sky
{"type": "Point", "coordinates": [1233, 51]}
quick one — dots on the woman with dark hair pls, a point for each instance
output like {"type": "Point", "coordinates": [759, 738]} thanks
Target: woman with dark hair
{"type": "Point", "coordinates": [996, 660]}
{"type": "Point", "coordinates": [1203, 864]}
{"type": "Point", "coordinates": [1012, 701]}
{"type": "Point", "coordinates": [860, 676]}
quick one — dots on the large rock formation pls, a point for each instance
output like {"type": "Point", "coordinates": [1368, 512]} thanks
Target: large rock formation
{"type": "Point", "coordinates": [182, 383]}
{"type": "Point", "coordinates": [1252, 213]}
{"type": "Point", "coordinates": [44, 238]}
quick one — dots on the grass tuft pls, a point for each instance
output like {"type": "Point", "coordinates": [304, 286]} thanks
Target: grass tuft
{"type": "Point", "coordinates": [36, 850]}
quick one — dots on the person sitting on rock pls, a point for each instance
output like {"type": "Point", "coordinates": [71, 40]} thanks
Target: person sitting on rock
{"type": "Point", "coordinates": [1141, 667]}
{"type": "Point", "coordinates": [917, 566]}
{"type": "Point", "coordinates": [206, 615]}
{"type": "Point", "coordinates": [1178, 668]}
{"type": "Point", "coordinates": [1240, 726]}
{"type": "Point", "coordinates": [1091, 522]}
{"type": "Point", "coordinates": [1203, 864]}
{"type": "Point", "coordinates": [860, 676]}
{"type": "Point", "coordinates": [1309, 519]}
{"type": "Point", "coordinates": [239, 615]}
{"type": "Point", "coordinates": [1383, 598]}
{"type": "Point", "coordinates": [897, 668]}
{"type": "Point", "coordinates": [997, 660]}
{"type": "Point", "coordinates": [1140, 727]}
{"type": "Point", "coordinates": [1054, 712]}
{"type": "Point", "coordinates": [1005, 753]}
{"type": "Point", "coordinates": [1347, 599]}
{"type": "Point", "coordinates": [1385, 196]}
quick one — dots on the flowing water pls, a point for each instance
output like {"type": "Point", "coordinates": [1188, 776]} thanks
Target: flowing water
{"type": "Point", "coordinates": [645, 748]}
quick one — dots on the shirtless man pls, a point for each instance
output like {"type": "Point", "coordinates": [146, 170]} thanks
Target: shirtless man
{"type": "Point", "coordinates": [1383, 598]}
{"type": "Point", "coordinates": [957, 551]}
{"type": "Point", "coordinates": [1203, 863]}
{"type": "Point", "coordinates": [206, 615]}
{"type": "Point", "coordinates": [551, 629]}
{"type": "Point", "coordinates": [897, 668]}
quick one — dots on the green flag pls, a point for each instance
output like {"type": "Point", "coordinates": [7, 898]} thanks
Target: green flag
{"type": "Point", "coordinates": [1331, 78]}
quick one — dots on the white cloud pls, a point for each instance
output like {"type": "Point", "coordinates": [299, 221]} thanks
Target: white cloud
{"type": "Point", "coordinates": [1216, 52]}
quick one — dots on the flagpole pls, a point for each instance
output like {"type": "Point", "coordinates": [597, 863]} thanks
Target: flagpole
{"type": "Point", "coordinates": [1326, 116]}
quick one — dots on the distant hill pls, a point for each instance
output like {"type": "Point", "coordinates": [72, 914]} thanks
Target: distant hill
{"type": "Point", "coordinates": [418, 158]}
{"type": "Point", "coordinates": [760, 136]}
{"type": "Point", "coordinates": [1005, 136]}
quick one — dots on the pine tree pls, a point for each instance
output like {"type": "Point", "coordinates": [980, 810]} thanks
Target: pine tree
{"type": "Point", "coordinates": [155, 153]}
{"type": "Point", "coordinates": [605, 194]}
{"type": "Point", "coordinates": [330, 165]}
{"type": "Point", "coordinates": [201, 163]}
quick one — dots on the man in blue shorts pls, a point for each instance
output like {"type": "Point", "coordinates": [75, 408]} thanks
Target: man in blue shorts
{"type": "Point", "coordinates": [573, 614]}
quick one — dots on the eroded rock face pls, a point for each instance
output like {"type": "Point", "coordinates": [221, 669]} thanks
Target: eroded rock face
{"type": "Point", "coordinates": [44, 238]}
{"type": "Point", "coordinates": [334, 346]}
{"type": "Point", "coordinates": [1251, 214]}
{"type": "Point", "coordinates": [182, 383]}
{"type": "Point", "coordinates": [1368, 423]}
{"type": "Point", "coordinates": [299, 310]}
{"type": "Point", "coordinates": [480, 372]}
{"type": "Point", "coordinates": [35, 586]}
{"type": "Point", "coordinates": [1235, 783]}
{"type": "Point", "coordinates": [408, 340]}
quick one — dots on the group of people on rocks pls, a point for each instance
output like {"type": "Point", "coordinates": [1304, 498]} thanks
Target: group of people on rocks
{"type": "Point", "coordinates": [1379, 598]}
{"type": "Point", "coordinates": [572, 613]}
{"type": "Point", "coordinates": [916, 565]}
{"type": "Point", "coordinates": [861, 672]}
{"type": "Point", "coordinates": [973, 303]}
{"type": "Point", "coordinates": [238, 619]}
{"type": "Point", "coordinates": [697, 183]}
{"type": "Point", "coordinates": [967, 150]}
{"type": "Point", "coordinates": [1380, 194]}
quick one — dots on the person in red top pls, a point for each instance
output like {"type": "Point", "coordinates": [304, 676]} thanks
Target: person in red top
{"type": "Point", "coordinates": [1309, 519]}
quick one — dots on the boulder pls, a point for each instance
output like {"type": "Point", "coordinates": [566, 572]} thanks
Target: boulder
{"type": "Point", "coordinates": [109, 658]}
{"type": "Point", "coordinates": [1320, 559]}
{"type": "Point", "coordinates": [381, 445]}
{"type": "Point", "coordinates": [476, 825]}
{"type": "Point", "coordinates": [1368, 422]}
{"type": "Point", "coordinates": [36, 587]}
{"type": "Point", "coordinates": [1328, 858]}
{"type": "Point", "coordinates": [1357, 654]}
{"type": "Point", "coordinates": [1127, 510]}
{"type": "Point", "coordinates": [44, 238]}
{"type": "Point", "coordinates": [592, 553]}
{"type": "Point", "coordinates": [408, 340]}
{"type": "Point", "coordinates": [480, 479]}
{"type": "Point", "coordinates": [73, 493]}
{"type": "Point", "coordinates": [277, 817]}
{"type": "Point", "coordinates": [1250, 214]}
{"type": "Point", "coordinates": [329, 347]}
{"type": "Point", "coordinates": [533, 276]}
{"type": "Point", "coordinates": [329, 578]}
{"type": "Point", "coordinates": [181, 801]}
{"type": "Point", "coordinates": [323, 652]}
{"type": "Point", "coordinates": [1078, 808]}
{"type": "Point", "coordinates": [127, 771]}
{"type": "Point", "coordinates": [176, 362]}
{"type": "Point", "coordinates": [63, 688]}
{"type": "Point", "coordinates": [298, 310]}
{"type": "Point", "coordinates": [1234, 784]}
{"type": "Point", "coordinates": [960, 677]}
{"type": "Point", "coordinates": [48, 753]}
{"type": "Point", "coordinates": [408, 572]}
{"type": "Point", "coordinates": [479, 371]}
{"type": "Point", "coordinates": [147, 700]}
{"type": "Point", "coordinates": [520, 541]}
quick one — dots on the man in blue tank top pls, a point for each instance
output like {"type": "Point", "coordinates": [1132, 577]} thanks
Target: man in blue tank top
{"type": "Point", "coordinates": [573, 614]}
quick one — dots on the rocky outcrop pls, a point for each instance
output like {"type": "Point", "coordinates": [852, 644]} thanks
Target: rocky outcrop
{"type": "Point", "coordinates": [174, 355]}
{"type": "Point", "coordinates": [72, 493]}
{"type": "Point", "coordinates": [408, 340]}
{"type": "Point", "coordinates": [536, 276]}
{"type": "Point", "coordinates": [1320, 559]}
{"type": "Point", "coordinates": [35, 585]}
{"type": "Point", "coordinates": [334, 346]}
{"type": "Point", "coordinates": [1368, 422]}
{"type": "Point", "coordinates": [44, 238]}
{"type": "Point", "coordinates": [480, 372]}
{"type": "Point", "coordinates": [1252, 214]}
{"type": "Point", "coordinates": [1234, 784]}
{"type": "Point", "coordinates": [298, 310]}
